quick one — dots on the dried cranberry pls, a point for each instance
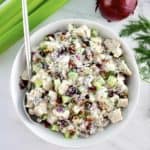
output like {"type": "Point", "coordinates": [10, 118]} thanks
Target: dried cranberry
{"type": "Point", "coordinates": [71, 91]}
{"type": "Point", "coordinates": [62, 51]}
{"type": "Point", "coordinates": [60, 108]}
{"type": "Point", "coordinates": [23, 84]}
{"type": "Point", "coordinates": [71, 49]}
{"type": "Point", "coordinates": [110, 93]}
{"type": "Point", "coordinates": [63, 123]}
{"type": "Point", "coordinates": [46, 124]}
{"type": "Point", "coordinates": [89, 126]}
{"type": "Point", "coordinates": [92, 88]}
{"type": "Point", "coordinates": [99, 65]}
{"type": "Point", "coordinates": [87, 96]}
{"type": "Point", "coordinates": [59, 100]}
{"type": "Point", "coordinates": [86, 42]}
{"type": "Point", "coordinates": [42, 53]}
{"type": "Point", "coordinates": [71, 64]}
{"type": "Point", "coordinates": [88, 105]}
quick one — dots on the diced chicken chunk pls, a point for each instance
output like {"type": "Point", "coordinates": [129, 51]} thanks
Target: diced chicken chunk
{"type": "Point", "coordinates": [63, 87]}
{"type": "Point", "coordinates": [82, 31]}
{"type": "Point", "coordinates": [51, 118]}
{"type": "Point", "coordinates": [40, 109]}
{"type": "Point", "coordinates": [53, 97]}
{"type": "Point", "coordinates": [114, 47]}
{"type": "Point", "coordinates": [61, 114]}
{"type": "Point", "coordinates": [115, 116]}
{"type": "Point", "coordinates": [121, 86]}
{"type": "Point", "coordinates": [49, 45]}
{"type": "Point", "coordinates": [122, 102]}
{"type": "Point", "coordinates": [109, 66]}
{"type": "Point", "coordinates": [124, 68]}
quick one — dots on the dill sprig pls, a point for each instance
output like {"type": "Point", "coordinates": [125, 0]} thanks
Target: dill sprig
{"type": "Point", "coordinates": [142, 24]}
{"type": "Point", "coordinates": [139, 30]}
{"type": "Point", "coordinates": [143, 38]}
{"type": "Point", "coordinates": [143, 50]}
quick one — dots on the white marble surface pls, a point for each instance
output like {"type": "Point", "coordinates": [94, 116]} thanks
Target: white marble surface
{"type": "Point", "coordinates": [13, 134]}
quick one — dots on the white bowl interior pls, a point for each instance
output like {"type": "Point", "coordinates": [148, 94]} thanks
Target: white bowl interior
{"type": "Point", "coordinates": [55, 138]}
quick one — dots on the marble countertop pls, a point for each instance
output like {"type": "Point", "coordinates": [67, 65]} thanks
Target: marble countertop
{"type": "Point", "coordinates": [13, 134]}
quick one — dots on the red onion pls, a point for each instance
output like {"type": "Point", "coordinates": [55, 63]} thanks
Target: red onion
{"type": "Point", "coordinates": [114, 10]}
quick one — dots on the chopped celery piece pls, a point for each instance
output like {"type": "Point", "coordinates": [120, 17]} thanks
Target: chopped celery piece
{"type": "Point", "coordinates": [81, 89]}
{"type": "Point", "coordinates": [57, 83]}
{"type": "Point", "coordinates": [38, 83]}
{"type": "Point", "coordinates": [44, 116]}
{"type": "Point", "coordinates": [112, 80]}
{"type": "Point", "coordinates": [67, 135]}
{"type": "Point", "coordinates": [72, 75]}
{"type": "Point", "coordinates": [80, 50]}
{"type": "Point", "coordinates": [36, 67]}
{"type": "Point", "coordinates": [94, 33]}
{"type": "Point", "coordinates": [99, 82]}
{"type": "Point", "coordinates": [54, 128]}
{"type": "Point", "coordinates": [43, 45]}
{"type": "Point", "coordinates": [66, 99]}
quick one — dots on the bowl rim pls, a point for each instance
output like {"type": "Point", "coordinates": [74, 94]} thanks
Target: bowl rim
{"type": "Point", "coordinates": [76, 21]}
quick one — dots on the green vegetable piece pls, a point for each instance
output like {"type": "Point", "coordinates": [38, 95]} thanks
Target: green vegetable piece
{"type": "Point", "coordinates": [1, 1]}
{"type": "Point", "coordinates": [112, 81]}
{"type": "Point", "coordinates": [38, 83]}
{"type": "Point", "coordinates": [80, 50]}
{"type": "Point", "coordinates": [66, 99]}
{"type": "Point", "coordinates": [54, 128]}
{"type": "Point", "coordinates": [39, 15]}
{"type": "Point", "coordinates": [57, 83]}
{"type": "Point", "coordinates": [72, 75]}
{"type": "Point", "coordinates": [94, 33]}
{"type": "Point", "coordinates": [134, 26]}
{"type": "Point", "coordinates": [36, 67]}
{"type": "Point", "coordinates": [17, 17]}
{"type": "Point", "coordinates": [43, 45]}
{"type": "Point", "coordinates": [6, 11]}
{"type": "Point", "coordinates": [67, 135]}
{"type": "Point", "coordinates": [81, 89]}
{"type": "Point", "coordinates": [99, 82]}
{"type": "Point", "coordinates": [44, 116]}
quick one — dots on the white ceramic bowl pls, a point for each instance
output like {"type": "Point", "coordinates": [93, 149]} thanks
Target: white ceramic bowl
{"type": "Point", "coordinates": [55, 138]}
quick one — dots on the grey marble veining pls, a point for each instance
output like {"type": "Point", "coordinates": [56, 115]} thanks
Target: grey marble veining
{"type": "Point", "coordinates": [135, 135]}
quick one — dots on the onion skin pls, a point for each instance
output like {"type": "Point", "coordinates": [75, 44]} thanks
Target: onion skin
{"type": "Point", "coordinates": [114, 10]}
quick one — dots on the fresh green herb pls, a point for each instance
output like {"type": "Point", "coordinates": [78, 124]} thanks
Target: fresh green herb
{"type": "Point", "coordinates": [143, 50]}
{"type": "Point", "coordinates": [139, 30]}
{"type": "Point", "coordinates": [143, 38]}
{"type": "Point", "coordinates": [142, 24]}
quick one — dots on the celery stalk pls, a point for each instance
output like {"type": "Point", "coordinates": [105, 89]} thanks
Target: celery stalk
{"type": "Point", "coordinates": [9, 10]}
{"type": "Point", "coordinates": [17, 18]}
{"type": "Point", "coordinates": [1, 1]}
{"type": "Point", "coordinates": [16, 32]}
